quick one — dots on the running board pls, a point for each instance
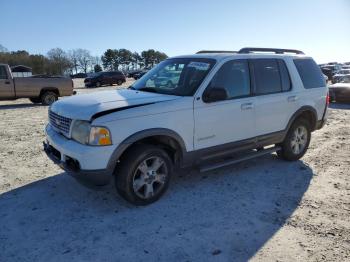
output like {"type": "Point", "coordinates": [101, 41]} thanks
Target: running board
{"type": "Point", "coordinates": [240, 159]}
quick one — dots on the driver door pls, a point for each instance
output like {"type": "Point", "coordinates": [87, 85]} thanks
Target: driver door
{"type": "Point", "coordinates": [7, 90]}
{"type": "Point", "coordinates": [229, 120]}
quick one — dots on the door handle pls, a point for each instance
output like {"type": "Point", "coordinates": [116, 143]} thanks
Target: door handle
{"type": "Point", "coordinates": [7, 82]}
{"type": "Point", "coordinates": [247, 106]}
{"type": "Point", "coordinates": [292, 98]}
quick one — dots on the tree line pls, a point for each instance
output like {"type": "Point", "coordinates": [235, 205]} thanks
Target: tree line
{"type": "Point", "coordinates": [60, 62]}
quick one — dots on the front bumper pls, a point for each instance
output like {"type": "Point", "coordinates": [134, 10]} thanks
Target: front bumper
{"type": "Point", "coordinates": [83, 162]}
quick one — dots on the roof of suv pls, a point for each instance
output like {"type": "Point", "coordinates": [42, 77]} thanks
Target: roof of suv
{"type": "Point", "coordinates": [247, 53]}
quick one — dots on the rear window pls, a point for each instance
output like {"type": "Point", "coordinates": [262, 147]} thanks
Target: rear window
{"type": "Point", "coordinates": [310, 73]}
{"type": "Point", "coordinates": [267, 76]}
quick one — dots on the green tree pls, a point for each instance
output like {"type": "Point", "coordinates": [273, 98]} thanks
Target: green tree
{"type": "Point", "coordinates": [125, 57]}
{"type": "Point", "coordinates": [110, 59]}
{"type": "Point", "coordinates": [97, 68]}
{"type": "Point", "coordinates": [152, 57]}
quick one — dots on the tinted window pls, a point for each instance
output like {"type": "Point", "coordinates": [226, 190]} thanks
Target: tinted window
{"type": "Point", "coordinates": [310, 73]}
{"type": "Point", "coordinates": [3, 73]}
{"type": "Point", "coordinates": [234, 77]}
{"type": "Point", "coordinates": [267, 76]}
{"type": "Point", "coordinates": [285, 78]}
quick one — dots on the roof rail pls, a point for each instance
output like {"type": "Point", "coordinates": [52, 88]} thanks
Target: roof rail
{"type": "Point", "coordinates": [247, 50]}
{"type": "Point", "coordinates": [215, 52]}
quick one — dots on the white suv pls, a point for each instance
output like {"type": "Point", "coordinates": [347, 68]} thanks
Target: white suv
{"type": "Point", "coordinates": [223, 108]}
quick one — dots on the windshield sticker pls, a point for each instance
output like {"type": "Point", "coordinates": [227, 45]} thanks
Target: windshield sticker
{"type": "Point", "coordinates": [199, 65]}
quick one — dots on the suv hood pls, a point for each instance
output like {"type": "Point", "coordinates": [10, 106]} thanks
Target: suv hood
{"type": "Point", "coordinates": [84, 107]}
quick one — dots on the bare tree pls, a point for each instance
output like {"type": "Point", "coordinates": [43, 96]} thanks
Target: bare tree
{"type": "Point", "coordinates": [84, 59]}
{"type": "Point", "coordinates": [59, 62]}
{"type": "Point", "coordinates": [73, 57]}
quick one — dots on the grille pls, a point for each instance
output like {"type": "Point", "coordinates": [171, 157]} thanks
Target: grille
{"type": "Point", "coordinates": [60, 123]}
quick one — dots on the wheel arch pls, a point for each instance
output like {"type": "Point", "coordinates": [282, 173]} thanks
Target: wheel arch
{"type": "Point", "coordinates": [166, 138]}
{"type": "Point", "coordinates": [307, 112]}
{"type": "Point", "coordinates": [52, 89]}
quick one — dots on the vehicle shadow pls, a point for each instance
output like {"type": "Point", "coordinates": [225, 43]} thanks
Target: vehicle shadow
{"type": "Point", "coordinates": [19, 106]}
{"type": "Point", "coordinates": [224, 215]}
{"type": "Point", "coordinates": [339, 106]}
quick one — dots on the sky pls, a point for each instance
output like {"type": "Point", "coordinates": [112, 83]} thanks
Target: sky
{"type": "Point", "coordinates": [320, 28]}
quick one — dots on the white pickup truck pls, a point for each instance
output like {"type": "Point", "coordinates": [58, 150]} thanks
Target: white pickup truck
{"type": "Point", "coordinates": [45, 90]}
{"type": "Point", "coordinates": [224, 107]}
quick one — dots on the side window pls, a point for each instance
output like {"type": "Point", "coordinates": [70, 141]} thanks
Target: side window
{"type": "Point", "coordinates": [285, 78]}
{"type": "Point", "coordinates": [234, 77]}
{"type": "Point", "coordinates": [267, 76]}
{"type": "Point", "coordinates": [3, 73]}
{"type": "Point", "coordinates": [310, 74]}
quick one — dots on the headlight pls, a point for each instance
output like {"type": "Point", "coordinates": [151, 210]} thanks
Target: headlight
{"type": "Point", "coordinates": [81, 131]}
{"type": "Point", "coordinates": [86, 134]}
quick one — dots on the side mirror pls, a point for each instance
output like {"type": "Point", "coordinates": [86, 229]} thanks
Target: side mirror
{"type": "Point", "coordinates": [214, 94]}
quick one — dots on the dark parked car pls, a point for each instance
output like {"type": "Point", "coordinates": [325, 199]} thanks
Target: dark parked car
{"type": "Point", "coordinates": [105, 78]}
{"type": "Point", "coordinates": [131, 74]}
{"type": "Point", "coordinates": [139, 75]}
{"type": "Point", "coordinates": [79, 75]}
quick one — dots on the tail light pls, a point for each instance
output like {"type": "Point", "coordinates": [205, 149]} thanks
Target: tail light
{"type": "Point", "coordinates": [328, 99]}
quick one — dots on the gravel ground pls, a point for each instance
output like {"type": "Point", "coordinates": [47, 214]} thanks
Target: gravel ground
{"type": "Point", "coordinates": [263, 209]}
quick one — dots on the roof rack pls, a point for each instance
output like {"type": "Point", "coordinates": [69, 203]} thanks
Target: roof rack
{"type": "Point", "coordinates": [248, 50]}
{"type": "Point", "coordinates": [215, 52]}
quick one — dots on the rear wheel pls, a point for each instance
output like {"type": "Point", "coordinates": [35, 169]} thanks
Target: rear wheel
{"type": "Point", "coordinates": [48, 98]}
{"type": "Point", "coordinates": [143, 174]}
{"type": "Point", "coordinates": [98, 84]}
{"type": "Point", "coordinates": [297, 141]}
{"type": "Point", "coordinates": [119, 82]}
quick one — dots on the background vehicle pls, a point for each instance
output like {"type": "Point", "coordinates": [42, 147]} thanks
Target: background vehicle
{"type": "Point", "coordinates": [139, 75]}
{"type": "Point", "coordinates": [131, 74]}
{"type": "Point", "coordinates": [79, 75]}
{"type": "Point", "coordinates": [105, 78]}
{"type": "Point", "coordinates": [45, 90]}
{"type": "Point", "coordinates": [340, 74]}
{"type": "Point", "coordinates": [224, 107]}
{"type": "Point", "coordinates": [169, 79]}
{"type": "Point", "coordinates": [340, 92]}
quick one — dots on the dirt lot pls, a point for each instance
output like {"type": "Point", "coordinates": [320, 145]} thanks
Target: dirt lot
{"type": "Point", "coordinates": [264, 209]}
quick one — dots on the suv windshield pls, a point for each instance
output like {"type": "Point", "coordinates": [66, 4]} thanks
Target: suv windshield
{"type": "Point", "coordinates": [176, 76]}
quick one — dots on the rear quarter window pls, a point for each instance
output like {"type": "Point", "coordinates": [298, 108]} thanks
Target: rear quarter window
{"type": "Point", "coordinates": [310, 73]}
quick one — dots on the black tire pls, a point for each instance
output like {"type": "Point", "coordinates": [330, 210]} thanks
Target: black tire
{"type": "Point", "coordinates": [48, 97]}
{"type": "Point", "coordinates": [35, 100]}
{"type": "Point", "coordinates": [98, 84]}
{"type": "Point", "coordinates": [295, 146]}
{"type": "Point", "coordinates": [129, 176]}
{"type": "Point", "coordinates": [119, 82]}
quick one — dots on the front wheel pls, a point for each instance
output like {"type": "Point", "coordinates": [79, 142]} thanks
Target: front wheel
{"type": "Point", "coordinates": [297, 141]}
{"type": "Point", "coordinates": [143, 174]}
{"type": "Point", "coordinates": [119, 82]}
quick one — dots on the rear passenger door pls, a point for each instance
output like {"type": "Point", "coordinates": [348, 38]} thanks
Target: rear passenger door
{"type": "Point", "coordinates": [230, 120]}
{"type": "Point", "coordinates": [275, 99]}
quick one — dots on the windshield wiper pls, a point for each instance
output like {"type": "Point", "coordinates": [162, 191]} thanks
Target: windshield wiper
{"type": "Point", "coordinates": [148, 89]}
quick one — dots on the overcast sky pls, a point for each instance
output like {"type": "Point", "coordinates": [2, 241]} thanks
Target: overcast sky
{"type": "Point", "coordinates": [320, 28]}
